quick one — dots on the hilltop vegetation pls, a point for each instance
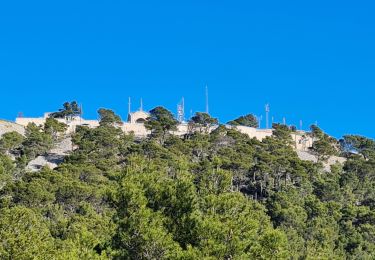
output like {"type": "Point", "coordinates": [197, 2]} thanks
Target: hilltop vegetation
{"type": "Point", "coordinates": [206, 195]}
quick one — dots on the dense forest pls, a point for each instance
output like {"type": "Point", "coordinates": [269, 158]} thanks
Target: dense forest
{"type": "Point", "coordinates": [206, 195]}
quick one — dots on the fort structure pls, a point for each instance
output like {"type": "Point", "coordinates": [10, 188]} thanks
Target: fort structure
{"type": "Point", "coordinates": [135, 124]}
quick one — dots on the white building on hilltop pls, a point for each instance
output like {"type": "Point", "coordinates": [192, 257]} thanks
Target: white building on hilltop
{"type": "Point", "coordinates": [138, 117]}
{"type": "Point", "coordinates": [135, 125]}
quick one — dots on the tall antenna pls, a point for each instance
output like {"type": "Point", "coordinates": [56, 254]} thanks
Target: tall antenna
{"type": "Point", "coordinates": [141, 108]}
{"type": "Point", "coordinates": [181, 111]}
{"type": "Point", "coordinates": [300, 125]}
{"type": "Point", "coordinates": [284, 121]}
{"type": "Point", "coordinates": [259, 121]}
{"type": "Point", "coordinates": [207, 111]}
{"type": "Point", "coordinates": [129, 106]}
{"type": "Point", "coordinates": [267, 108]}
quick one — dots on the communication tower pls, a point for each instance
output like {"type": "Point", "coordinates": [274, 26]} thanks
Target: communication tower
{"type": "Point", "coordinates": [267, 108]}
{"type": "Point", "coordinates": [181, 111]}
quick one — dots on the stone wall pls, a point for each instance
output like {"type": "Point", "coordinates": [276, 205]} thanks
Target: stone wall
{"type": "Point", "coordinates": [72, 124]}
{"type": "Point", "coordinates": [252, 132]}
{"type": "Point", "coordinates": [301, 139]}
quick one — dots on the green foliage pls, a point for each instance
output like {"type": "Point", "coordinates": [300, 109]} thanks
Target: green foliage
{"type": "Point", "coordinates": [108, 117]}
{"type": "Point", "coordinates": [69, 110]}
{"type": "Point", "coordinates": [202, 122]}
{"type": "Point", "coordinates": [23, 235]}
{"type": "Point", "coordinates": [248, 120]}
{"type": "Point", "coordinates": [10, 141]}
{"type": "Point", "coordinates": [161, 122]}
{"type": "Point", "coordinates": [282, 132]}
{"type": "Point", "coordinates": [54, 127]}
{"type": "Point", "coordinates": [323, 146]}
{"type": "Point", "coordinates": [358, 144]}
{"type": "Point", "coordinates": [37, 142]}
{"type": "Point", "coordinates": [208, 195]}
{"type": "Point", "coordinates": [6, 170]}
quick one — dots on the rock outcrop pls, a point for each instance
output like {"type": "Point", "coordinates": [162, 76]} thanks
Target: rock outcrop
{"type": "Point", "coordinates": [7, 126]}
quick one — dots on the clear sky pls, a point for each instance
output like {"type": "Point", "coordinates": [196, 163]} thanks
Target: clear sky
{"type": "Point", "coordinates": [311, 60]}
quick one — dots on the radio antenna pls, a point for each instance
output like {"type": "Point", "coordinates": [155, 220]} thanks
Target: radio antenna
{"type": "Point", "coordinates": [267, 108]}
{"type": "Point", "coordinates": [207, 111]}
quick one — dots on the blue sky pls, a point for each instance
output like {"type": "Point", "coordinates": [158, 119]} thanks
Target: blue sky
{"type": "Point", "coordinates": [311, 60]}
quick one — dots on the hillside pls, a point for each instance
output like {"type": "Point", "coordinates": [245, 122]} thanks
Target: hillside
{"type": "Point", "coordinates": [7, 126]}
{"type": "Point", "coordinates": [204, 195]}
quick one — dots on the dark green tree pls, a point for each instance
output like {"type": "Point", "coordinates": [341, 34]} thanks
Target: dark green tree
{"type": "Point", "coordinates": [161, 122]}
{"type": "Point", "coordinates": [54, 128]}
{"type": "Point", "coordinates": [248, 120]}
{"type": "Point", "coordinates": [323, 145]}
{"type": "Point", "coordinates": [69, 110]}
{"type": "Point", "coordinates": [37, 142]}
{"type": "Point", "coordinates": [108, 118]}
{"type": "Point", "coordinates": [202, 122]}
{"type": "Point", "coordinates": [10, 141]}
{"type": "Point", "coordinates": [358, 144]}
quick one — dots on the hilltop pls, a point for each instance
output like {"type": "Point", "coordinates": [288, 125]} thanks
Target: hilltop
{"type": "Point", "coordinates": [79, 189]}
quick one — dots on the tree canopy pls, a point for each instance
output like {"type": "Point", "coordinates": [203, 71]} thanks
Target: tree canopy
{"type": "Point", "coordinates": [248, 120]}
{"type": "Point", "coordinates": [212, 195]}
{"type": "Point", "coordinates": [202, 122]}
{"type": "Point", "coordinates": [161, 122]}
{"type": "Point", "coordinates": [68, 111]}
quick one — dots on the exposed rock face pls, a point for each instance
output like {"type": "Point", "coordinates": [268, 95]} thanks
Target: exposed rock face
{"type": "Point", "coordinates": [53, 158]}
{"type": "Point", "coordinates": [306, 156]}
{"type": "Point", "coordinates": [7, 126]}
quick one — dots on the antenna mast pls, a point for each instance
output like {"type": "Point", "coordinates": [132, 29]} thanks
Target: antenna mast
{"type": "Point", "coordinates": [267, 108]}
{"type": "Point", "coordinates": [141, 108]}
{"type": "Point", "coordinates": [207, 111]}
{"type": "Point", "coordinates": [181, 111]}
{"type": "Point", "coordinates": [259, 118]}
{"type": "Point", "coordinates": [129, 106]}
